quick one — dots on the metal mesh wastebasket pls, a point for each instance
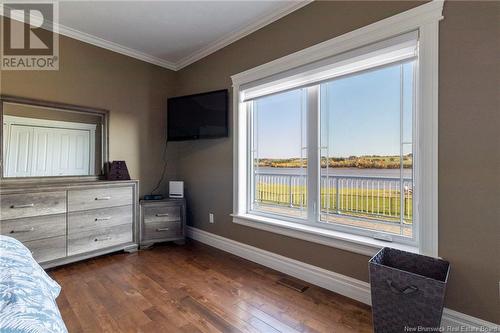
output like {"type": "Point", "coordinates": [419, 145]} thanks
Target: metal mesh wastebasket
{"type": "Point", "coordinates": [407, 291]}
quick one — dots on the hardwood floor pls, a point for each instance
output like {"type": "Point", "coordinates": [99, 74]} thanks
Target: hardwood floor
{"type": "Point", "coordinates": [195, 288]}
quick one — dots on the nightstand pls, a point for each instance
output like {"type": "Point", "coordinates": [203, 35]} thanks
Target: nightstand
{"type": "Point", "coordinates": [162, 221]}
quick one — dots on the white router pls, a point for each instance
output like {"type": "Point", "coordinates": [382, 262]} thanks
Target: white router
{"type": "Point", "coordinates": [176, 189]}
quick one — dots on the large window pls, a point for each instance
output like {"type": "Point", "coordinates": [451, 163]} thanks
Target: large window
{"type": "Point", "coordinates": [345, 144]}
{"type": "Point", "coordinates": [365, 138]}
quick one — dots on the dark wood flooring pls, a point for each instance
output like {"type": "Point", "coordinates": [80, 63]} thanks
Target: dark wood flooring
{"type": "Point", "coordinates": [195, 288]}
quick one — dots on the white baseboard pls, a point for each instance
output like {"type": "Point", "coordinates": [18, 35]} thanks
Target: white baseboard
{"type": "Point", "coordinates": [341, 284]}
{"type": "Point", "coordinates": [453, 320]}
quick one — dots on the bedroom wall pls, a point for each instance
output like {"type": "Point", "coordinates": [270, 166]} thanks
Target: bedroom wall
{"type": "Point", "coordinates": [133, 91]}
{"type": "Point", "coordinates": [469, 153]}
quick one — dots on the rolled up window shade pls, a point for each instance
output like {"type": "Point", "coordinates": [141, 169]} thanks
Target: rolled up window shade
{"type": "Point", "coordinates": [397, 49]}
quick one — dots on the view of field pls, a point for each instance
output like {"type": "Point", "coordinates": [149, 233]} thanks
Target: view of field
{"type": "Point", "coordinates": [362, 162]}
{"type": "Point", "coordinates": [365, 186]}
{"type": "Point", "coordinates": [360, 201]}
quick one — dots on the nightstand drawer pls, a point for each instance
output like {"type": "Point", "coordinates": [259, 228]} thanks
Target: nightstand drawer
{"type": "Point", "coordinates": [99, 198]}
{"type": "Point", "coordinates": [162, 221]}
{"type": "Point", "coordinates": [154, 214]}
{"type": "Point", "coordinates": [160, 230]}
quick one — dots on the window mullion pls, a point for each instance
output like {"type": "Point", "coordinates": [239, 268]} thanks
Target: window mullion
{"type": "Point", "coordinates": [401, 147]}
{"type": "Point", "coordinates": [252, 153]}
{"type": "Point", "coordinates": [313, 167]}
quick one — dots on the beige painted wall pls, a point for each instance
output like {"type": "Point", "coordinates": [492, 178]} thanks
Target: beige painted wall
{"type": "Point", "coordinates": [469, 154]}
{"type": "Point", "coordinates": [133, 91]}
{"type": "Point", "coordinates": [469, 147]}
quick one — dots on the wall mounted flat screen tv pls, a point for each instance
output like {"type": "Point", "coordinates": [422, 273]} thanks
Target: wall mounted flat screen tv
{"type": "Point", "coordinates": [200, 116]}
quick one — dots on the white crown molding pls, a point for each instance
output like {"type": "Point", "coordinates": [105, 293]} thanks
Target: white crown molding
{"type": "Point", "coordinates": [234, 36]}
{"type": "Point", "coordinates": [99, 42]}
{"type": "Point", "coordinates": [452, 321]}
{"type": "Point", "coordinates": [186, 61]}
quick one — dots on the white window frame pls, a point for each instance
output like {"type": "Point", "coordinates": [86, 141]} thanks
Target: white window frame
{"type": "Point", "coordinates": [425, 19]}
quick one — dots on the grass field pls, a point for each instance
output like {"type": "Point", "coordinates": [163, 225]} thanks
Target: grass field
{"type": "Point", "coordinates": [351, 201]}
{"type": "Point", "coordinates": [360, 162]}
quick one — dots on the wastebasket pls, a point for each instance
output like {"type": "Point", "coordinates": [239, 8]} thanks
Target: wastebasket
{"type": "Point", "coordinates": [407, 291]}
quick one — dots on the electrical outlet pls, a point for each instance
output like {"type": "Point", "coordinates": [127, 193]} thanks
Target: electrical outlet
{"type": "Point", "coordinates": [211, 218]}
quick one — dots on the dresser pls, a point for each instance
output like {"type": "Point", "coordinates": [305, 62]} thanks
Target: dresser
{"type": "Point", "coordinates": [162, 220]}
{"type": "Point", "coordinates": [66, 222]}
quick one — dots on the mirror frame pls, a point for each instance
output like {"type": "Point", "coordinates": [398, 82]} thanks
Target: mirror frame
{"type": "Point", "coordinates": [62, 107]}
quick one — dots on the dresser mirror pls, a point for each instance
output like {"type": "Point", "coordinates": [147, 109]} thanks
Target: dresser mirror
{"type": "Point", "coordinates": [45, 139]}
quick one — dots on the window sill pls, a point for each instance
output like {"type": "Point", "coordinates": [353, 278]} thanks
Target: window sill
{"type": "Point", "coordinates": [341, 240]}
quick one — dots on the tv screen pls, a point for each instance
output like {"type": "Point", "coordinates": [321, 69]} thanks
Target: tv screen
{"type": "Point", "coordinates": [200, 116]}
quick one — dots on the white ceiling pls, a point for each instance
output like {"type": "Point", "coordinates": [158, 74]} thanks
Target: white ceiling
{"type": "Point", "coordinates": [171, 34]}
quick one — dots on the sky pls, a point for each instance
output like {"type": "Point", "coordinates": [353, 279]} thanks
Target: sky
{"type": "Point", "coordinates": [360, 115]}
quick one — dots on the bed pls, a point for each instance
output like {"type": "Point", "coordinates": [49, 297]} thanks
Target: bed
{"type": "Point", "coordinates": [27, 294]}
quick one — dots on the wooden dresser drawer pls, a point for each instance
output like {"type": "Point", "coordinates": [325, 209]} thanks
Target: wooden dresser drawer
{"type": "Point", "coordinates": [47, 249]}
{"type": "Point", "coordinates": [33, 228]}
{"type": "Point", "coordinates": [99, 198]}
{"type": "Point", "coordinates": [161, 230]}
{"type": "Point", "coordinates": [88, 220]}
{"type": "Point", "coordinates": [13, 206]}
{"type": "Point", "coordinates": [99, 239]}
{"type": "Point", "coordinates": [161, 213]}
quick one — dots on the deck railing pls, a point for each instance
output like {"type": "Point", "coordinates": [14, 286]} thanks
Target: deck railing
{"type": "Point", "coordinates": [378, 197]}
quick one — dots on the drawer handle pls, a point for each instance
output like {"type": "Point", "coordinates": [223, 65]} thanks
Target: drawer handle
{"type": "Point", "coordinates": [102, 198]}
{"type": "Point", "coordinates": [161, 214]}
{"type": "Point", "coordinates": [102, 239]}
{"type": "Point", "coordinates": [162, 229]}
{"type": "Point", "coordinates": [21, 231]}
{"type": "Point", "coordinates": [102, 218]}
{"type": "Point", "coordinates": [23, 206]}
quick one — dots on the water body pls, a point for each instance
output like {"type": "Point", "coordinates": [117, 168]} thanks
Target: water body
{"type": "Point", "coordinates": [390, 173]}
